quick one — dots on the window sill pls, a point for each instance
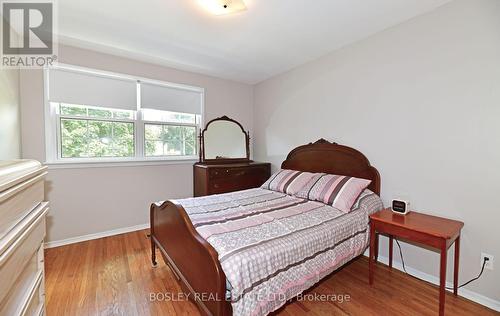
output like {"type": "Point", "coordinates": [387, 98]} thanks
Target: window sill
{"type": "Point", "coordinates": [82, 163]}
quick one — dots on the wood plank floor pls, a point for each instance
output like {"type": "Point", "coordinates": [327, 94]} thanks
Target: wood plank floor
{"type": "Point", "coordinates": [113, 276]}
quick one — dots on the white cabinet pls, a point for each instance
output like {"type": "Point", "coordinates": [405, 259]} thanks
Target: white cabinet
{"type": "Point", "coordinates": [22, 231]}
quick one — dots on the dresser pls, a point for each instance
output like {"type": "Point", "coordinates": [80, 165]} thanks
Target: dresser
{"type": "Point", "coordinates": [212, 178]}
{"type": "Point", "coordinates": [22, 231]}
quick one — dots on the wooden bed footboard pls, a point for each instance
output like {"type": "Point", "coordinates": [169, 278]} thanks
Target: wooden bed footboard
{"type": "Point", "coordinates": [194, 261]}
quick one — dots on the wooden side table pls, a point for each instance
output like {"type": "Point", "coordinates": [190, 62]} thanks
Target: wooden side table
{"type": "Point", "coordinates": [433, 231]}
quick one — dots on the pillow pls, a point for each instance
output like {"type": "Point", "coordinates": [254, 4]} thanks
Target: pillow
{"type": "Point", "coordinates": [338, 191]}
{"type": "Point", "coordinates": [288, 181]}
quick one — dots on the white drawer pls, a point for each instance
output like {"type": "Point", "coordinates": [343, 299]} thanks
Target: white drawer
{"type": "Point", "coordinates": [36, 302]}
{"type": "Point", "coordinates": [14, 260]}
{"type": "Point", "coordinates": [27, 294]}
{"type": "Point", "coordinates": [18, 201]}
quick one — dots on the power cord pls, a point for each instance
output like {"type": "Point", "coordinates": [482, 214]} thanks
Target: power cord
{"type": "Point", "coordinates": [449, 288]}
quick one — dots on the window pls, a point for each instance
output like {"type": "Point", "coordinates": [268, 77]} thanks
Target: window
{"type": "Point", "coordinates": [175, 138]}
{"type": "Point", "coordinates": [95, 132]}
{"type": "Point", "coordinates": [105, 117]}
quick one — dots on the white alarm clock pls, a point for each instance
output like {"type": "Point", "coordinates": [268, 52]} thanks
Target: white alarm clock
{"type": "Point", "coordinates": [400, 206]}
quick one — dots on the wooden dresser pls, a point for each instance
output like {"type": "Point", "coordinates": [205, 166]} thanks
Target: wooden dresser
{"type": "Point", "coordinates": [22, 231]}
{"type": "Point", "coordinates": [222, 178]}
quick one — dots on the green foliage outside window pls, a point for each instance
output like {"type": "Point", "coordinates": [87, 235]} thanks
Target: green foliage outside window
{"type": "Point", "coordinates": [88, 132]}
{"type": "Point", "coordinates": [88, 138]}
{"type": "Point", "coordinates": [168, 140]}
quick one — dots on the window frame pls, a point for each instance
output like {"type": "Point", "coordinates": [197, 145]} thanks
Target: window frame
{"type": "Point", "coordinates": [53, 143]}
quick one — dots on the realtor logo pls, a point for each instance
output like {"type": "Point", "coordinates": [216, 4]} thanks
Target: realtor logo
{"type": "Point", "coordinates": [27, 34]}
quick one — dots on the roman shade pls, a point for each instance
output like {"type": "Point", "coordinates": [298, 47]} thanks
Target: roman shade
{"type": "Point", "coordinates": [86, 88]}
{"type": "Point", "coordinates": [168, 98]}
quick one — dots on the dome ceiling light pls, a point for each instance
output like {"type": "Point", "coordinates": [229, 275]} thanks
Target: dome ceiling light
{"type": "Point", "coordinates": [221, 7]}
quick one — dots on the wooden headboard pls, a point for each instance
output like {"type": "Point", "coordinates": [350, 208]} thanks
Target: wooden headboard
{"type": "Point", "coordinates": [323, 156]}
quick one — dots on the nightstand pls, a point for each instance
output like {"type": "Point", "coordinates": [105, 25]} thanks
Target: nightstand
{"type": "Point", "coordinates": [433, 231]}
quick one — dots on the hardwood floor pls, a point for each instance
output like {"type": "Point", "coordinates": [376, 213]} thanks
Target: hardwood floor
{"type": "Point", "coordinates": [113, 276]}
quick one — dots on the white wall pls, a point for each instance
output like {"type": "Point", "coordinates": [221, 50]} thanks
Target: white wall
{"type": "Point", "coordinates": [422, 101]}
{"type": "Point", "coordinates": [92, 200]}
{"type": "Point", "coordinates": [10, 128]}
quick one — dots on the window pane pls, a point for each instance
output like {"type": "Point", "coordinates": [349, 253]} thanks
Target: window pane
{"type": "Point", "coordinates": [73, 138]}
{"type": "Point", "coordinates": [94, 112]}
{"type": "Point", "coordinates": [123, 139]}
{"type": "Point", "coordinates": [172, 148]}
{"type": "Point", "coordinates": [190, 147]}
{"type": "Point", "coordinates": [154, 148]}
{"type": "Point", "coordinates": [75, 110]}
{"type": "Point", "coordinates": [88, 138]}
{"type": "Point", "coordinates": [123, 115]}
{"type": "Point", "coordinates": [100, 113]}
{"type": "Point", "coordinates": [153, 132]}
{"type": "Point", "coordinates": [100, 139]}
{"type": "Point", "coordinates": [165, 116]}
{"type": "Point", "coordinates": [168, 140]}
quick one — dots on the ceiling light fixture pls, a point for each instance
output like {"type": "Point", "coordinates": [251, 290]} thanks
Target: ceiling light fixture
{"type": "Point", "coordinates": [220, 7]}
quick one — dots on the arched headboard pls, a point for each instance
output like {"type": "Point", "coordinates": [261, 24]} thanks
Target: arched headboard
{"type": "Point", "coordinates": [324, 156]}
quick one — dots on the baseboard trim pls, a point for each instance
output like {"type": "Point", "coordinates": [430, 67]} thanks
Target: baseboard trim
{"type": "Point", "coordinates": [73, 240]}
{"type": "Point", "coordinates": [468, 294]}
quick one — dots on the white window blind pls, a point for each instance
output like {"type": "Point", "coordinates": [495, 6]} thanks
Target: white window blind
{"type": "Point", "coordinates": [166, 98]}
{"type": "Point", "coordinates": [92, 116]}
{"type": "Point", "coordinates": [78, 87]}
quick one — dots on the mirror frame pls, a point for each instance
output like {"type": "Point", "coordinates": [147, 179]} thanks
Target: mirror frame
{"type": "Point", "coordinates": [223, 160]}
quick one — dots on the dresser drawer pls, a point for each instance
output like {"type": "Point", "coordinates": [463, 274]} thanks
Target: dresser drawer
{"type": "Point", "coordinates": [238, 181]}
{"type": "Point", "coordinates": [26, 296]}
{"type": "Point", "coordinates": [216, 179]}
{"type": "Point", "coordinates": [225, 173]}
{"type": "Point", "coordinates": [36, 300]}
{"type": "Point", "coordinates": [18, 201]}
{"type": "Point", "coordinates": [17, 256]}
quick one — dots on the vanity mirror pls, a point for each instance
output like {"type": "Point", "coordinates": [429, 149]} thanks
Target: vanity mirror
{"type": "Point", "coordinates": [225, 164]}
{"type": "Point", "coordinates": [224, 140]}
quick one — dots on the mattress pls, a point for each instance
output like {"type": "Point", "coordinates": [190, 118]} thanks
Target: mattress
{"type": "Point", "coordinates": [273, 246]}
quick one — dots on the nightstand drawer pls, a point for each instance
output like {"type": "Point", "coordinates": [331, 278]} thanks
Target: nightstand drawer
{"type": "Point", "coordinates": [408, 234]}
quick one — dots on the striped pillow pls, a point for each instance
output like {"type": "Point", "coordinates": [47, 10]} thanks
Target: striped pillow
{"type": "Point", "coordinates": [338, 191]}
{"type": "Point", "coordinates": [288, 181]}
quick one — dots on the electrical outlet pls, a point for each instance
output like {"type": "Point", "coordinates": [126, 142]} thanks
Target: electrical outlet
{"type": "Point", "coordinates": [489, 263]}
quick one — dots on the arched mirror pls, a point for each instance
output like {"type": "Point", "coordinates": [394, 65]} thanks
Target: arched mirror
{"type": "Point", "coordinates": [224, 140]}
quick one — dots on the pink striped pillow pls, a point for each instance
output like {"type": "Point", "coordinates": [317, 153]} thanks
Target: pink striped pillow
{"type": "Point", "coordinates": [338, 191]}
{"type": "Point", "coordinates": [288, 181]}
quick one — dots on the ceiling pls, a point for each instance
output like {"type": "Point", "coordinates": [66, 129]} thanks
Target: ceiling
{"type": "Point", "coordinates": [270, 37]}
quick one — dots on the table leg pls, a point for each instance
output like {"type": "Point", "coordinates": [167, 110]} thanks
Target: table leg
{"type": "Point", "coordinates": [455, 268]}
{"type": "Point", "coordinates": [391, 241]}
{"type": "Point", "coordinates": [442, 279]}
{"type": "Point", "coordinates": [372, 253]}
{"type": "Point", "coordinates": [376, 247]}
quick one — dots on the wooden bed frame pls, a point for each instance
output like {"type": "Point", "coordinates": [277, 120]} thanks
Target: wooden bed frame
{"type": "Point", "coordinates": [195, 262]}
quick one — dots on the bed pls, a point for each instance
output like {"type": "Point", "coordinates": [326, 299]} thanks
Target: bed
{"type": "Point", "coordinates": [229, 263]}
